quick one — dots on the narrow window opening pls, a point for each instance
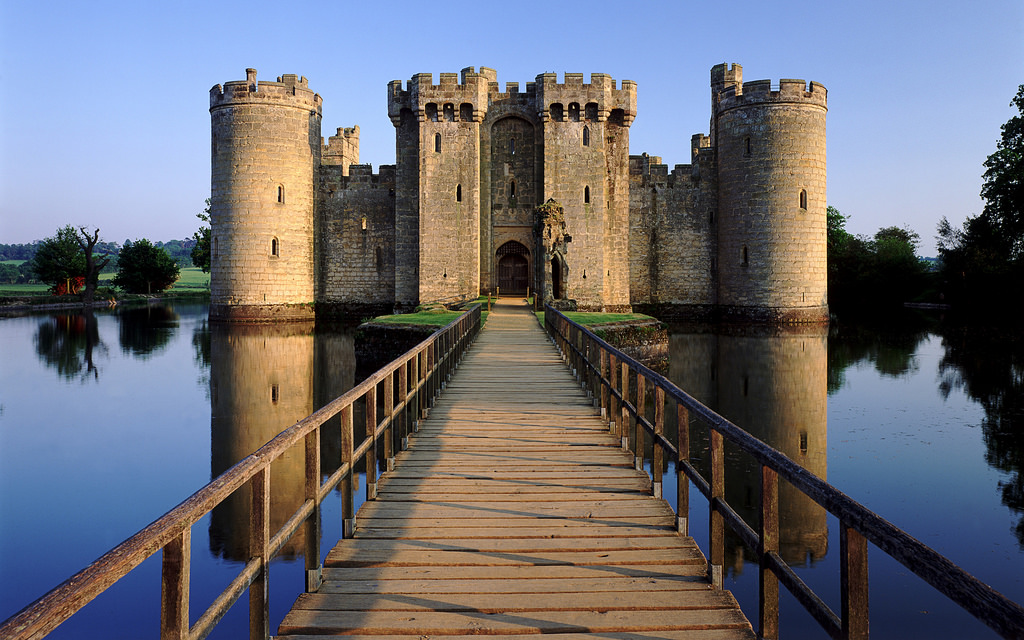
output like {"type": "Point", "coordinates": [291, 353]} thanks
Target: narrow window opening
{"type": "Point", "coordinates": [586, 195]}
{"type": "Point", "coordinates": [803, 442]}
{"type": "Point", "coordinates": [275, 393]}
{"type": "Point", "coordinates": [458, 193]}
{"type": "Point", "coordinates": [362, 223]}
{"type": "Point", "coordinates": [748, 145]}
{"type": "Point", "coordinates": [275, 248]}
{"type": "Point", "coordinates": [574, 111]}
{"type": "Point", "coordinates": [746, 261]}
{"type": "Point", "coordinates": [586, 136]}
{"type": "Point", "coordinates": [280, 194]}
{"type": "Point", "coordinates": [449, 112]}
{"type": "Point", "coordinates": [803, 199]}
{"type": "Point", "coordinates": [512, 146]}
{"type": "Point", "coordinates": [512, 189]}
{"type": "Point", "coordinates": [437, 143]}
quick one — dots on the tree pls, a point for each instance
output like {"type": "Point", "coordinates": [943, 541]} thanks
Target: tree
{"type": "Point", "coordinates": [838, 236]}
{"type": "Point", "coordinates": [144, 268]}
{"type": "Point", "coordinates": [92, 265]}
{"type": "Point", "coordinates": [59, 259]}
{"type": "Point", "coordinates": [201, 250]}
{"type": "Point", "coordinates": [1003, 189]}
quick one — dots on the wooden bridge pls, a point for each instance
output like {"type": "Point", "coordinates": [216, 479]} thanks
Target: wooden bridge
{"type": "Point", "coordinates": [515, 511]}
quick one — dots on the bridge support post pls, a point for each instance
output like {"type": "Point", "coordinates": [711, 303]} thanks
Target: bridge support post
{"type": "Point", "coordinates": [658, 461]}
{"type": "Point", "coordinates": [716, 539]}
{"type": "Point", "coordinates": [314, 573]}
{"type": "Point", "coordinates": [682, 480]}
{"type": "Point", "coordinates": [348, 514]}
{"type": "Point", "coordinates": [371, 454]}
{"type": "Point", "coordinates": [768, 598]}
{"type": "Point", "coordinates": [174, 588]}
{"type": "Point", "coordinates": [389, 415]}
{"type": "Point", "coordinates": [259, 547]}
{"type": "Point", "coordinates": [853, 569]}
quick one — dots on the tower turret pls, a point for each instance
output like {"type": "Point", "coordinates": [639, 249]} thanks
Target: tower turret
{"type": "Point", "coordinates": [437, 191]}
{"type": "Point", "coordinates": [265, 153]}
{"type": "Point", "coordinates": [770, 144]}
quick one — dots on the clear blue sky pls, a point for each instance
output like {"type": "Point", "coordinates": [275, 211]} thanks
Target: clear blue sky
{"type": "Point", "coordinates": [104, 106]}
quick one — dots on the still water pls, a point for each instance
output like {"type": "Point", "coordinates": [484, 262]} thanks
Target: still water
{"type": "Point", "coordinates": [108, 421]}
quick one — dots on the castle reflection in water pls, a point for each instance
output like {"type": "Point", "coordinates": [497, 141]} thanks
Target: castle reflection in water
{"type": "Point", "coordinates": [263, 379]}
{"type": "Point", "coordinates": [772, 382]}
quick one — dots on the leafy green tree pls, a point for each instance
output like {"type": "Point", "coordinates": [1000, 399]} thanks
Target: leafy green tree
{"type": "Point", "coordinates": [144, 268]}
{"type": "Point", "coordinates": [838, 236]}
{"type": "Point", "coordinates": [9, 273]}
{"type": "Point", "coordinates": [201, 250]}
{"type": "Point", "coordinates": [1003, 189]}
{"type": "Point", "coordinates": [59, 259]}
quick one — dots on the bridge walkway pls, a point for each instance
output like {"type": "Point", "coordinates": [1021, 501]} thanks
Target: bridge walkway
{"type": "Point", "coordinates": [515, 512]}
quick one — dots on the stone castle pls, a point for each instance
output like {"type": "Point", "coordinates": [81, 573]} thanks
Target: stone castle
{"type": "Point", "coordinates": [519, 190]}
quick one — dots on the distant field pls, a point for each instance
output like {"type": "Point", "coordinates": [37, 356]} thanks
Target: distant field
{"type": "Point", "coordinates": [192, 279]}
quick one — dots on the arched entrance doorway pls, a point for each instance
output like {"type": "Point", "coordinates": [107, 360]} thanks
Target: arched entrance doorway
{"type": "Point", "coordinates": [513, 267]}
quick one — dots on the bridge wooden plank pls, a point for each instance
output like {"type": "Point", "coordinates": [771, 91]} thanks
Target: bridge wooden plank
{"type": "Point", "coordinates": [514, 512]}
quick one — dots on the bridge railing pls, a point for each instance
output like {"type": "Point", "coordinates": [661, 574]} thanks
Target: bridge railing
{"type": "Point", "coordinates": [405, 388]}
{"type": "Point", "coordinates": [606, 373]}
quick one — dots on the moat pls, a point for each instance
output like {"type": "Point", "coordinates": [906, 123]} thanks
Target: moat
{"type": "Point", "coordinates": [108, 421]}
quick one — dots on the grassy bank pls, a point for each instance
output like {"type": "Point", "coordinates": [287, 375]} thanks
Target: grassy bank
{"type": "Point", "coordinates": [192, 282]}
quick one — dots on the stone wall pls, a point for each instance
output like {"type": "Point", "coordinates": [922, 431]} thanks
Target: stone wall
{"type": "Point", "coordinates": [265, 150]}
{"type": "Point", "coordinates": [772, 230]}
{"type": "Point", "coordinates": [356, 240]}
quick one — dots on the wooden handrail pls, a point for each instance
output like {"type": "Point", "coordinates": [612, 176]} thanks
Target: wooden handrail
{"type": "Point", "coordinates": [604, 372]}
{"type": "Point", "coordinates": [430, 369]}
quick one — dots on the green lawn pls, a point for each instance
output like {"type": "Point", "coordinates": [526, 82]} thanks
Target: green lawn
{"type": "Point", "coordinates": [590, 319]}
{"type": "Point", "coordinates": [191, 280]}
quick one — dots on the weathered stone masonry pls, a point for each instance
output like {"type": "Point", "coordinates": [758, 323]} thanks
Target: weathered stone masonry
{"type": "Point", "coordinates": [739, 233]}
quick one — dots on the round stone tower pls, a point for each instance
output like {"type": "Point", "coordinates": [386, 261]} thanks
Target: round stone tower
{"type": "Point", "coordinates": [265, 154]}
{"type": "Point", "coordinates": [771, 207]}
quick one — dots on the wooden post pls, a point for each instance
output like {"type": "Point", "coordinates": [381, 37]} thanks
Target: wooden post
{"type": "Point", "coordinates": [348, 513]}
{"type": "Point", "coordinates": [314, 570]}
{"type": "Point", "coordinates": [389, 416]}
{"type": "Point", "coordinates": [259, 547]}
{"type": "Point", "coordinates": [716, 557]}
{"type": "Point", "coordinates": [682, 480]}
{"type": "Point", "coordinates": [641, 433]}
{"type": "Point", "coordinates": [371, 453]}
{"type": "Point", "coordinates": [624, 423]}
{"type": "Point", "coordinates": [853, 570]}
{"type": "Point", "coordinates": [414, 405]}
{"type": "Point", "coordinates": [613, 386]}
{"type": "Point", "coordinates": [768, 600]}
{"type": "Point", "coordinates": [174, 587]}
{"type": "Point", "coordinates": [658, 461]}
{"type": "Point", "coordinates": [403, 397]}
{"type": "Point", "coordinates": [602, 367]}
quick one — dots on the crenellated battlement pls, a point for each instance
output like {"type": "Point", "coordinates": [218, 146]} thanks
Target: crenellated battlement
{"type": "Point", "coordinates": [458, 97]}
{"type": "Point", "coordinates": [602, 93]}
{"type": "Point", "coordinates": [764, 91]}
{"type": "Point", "coordinates": [342, 148]}
{"type": "Point", "coordinates": [288, 90]}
